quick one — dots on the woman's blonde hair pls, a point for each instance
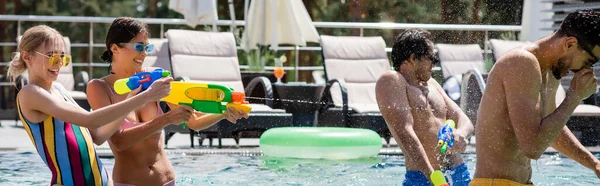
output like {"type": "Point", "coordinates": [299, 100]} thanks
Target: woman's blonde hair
{"type": "Point", "coordinates": [33, 38]}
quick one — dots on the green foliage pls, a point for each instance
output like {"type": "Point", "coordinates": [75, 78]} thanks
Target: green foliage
{"type": "Point", "coordinates": [395, 11]}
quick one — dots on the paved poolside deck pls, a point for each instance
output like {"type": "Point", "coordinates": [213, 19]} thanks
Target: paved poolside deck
{"type": "Point", "coordinates": [14, 138]}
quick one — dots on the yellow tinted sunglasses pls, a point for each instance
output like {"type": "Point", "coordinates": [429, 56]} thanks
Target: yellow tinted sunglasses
{"type": "Point", "coordinates": [55, 58]}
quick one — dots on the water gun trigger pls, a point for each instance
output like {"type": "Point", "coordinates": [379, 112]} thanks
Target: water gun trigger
{"type": "Point", "coordinates": [145, 78]}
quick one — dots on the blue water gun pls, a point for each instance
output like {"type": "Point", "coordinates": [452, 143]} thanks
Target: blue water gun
{"type": "Point", "coordinates": [144, 79]}
{"type": "Point", "coordinates": [445, 137]}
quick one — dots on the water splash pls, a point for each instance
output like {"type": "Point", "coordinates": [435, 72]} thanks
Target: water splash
{"type": "Point", "coordinates": [290, 100]}
{"type": "Point", "coordinates": [326, 103]}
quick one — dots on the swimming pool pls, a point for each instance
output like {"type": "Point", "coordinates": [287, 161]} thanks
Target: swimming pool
{"type": "Point", "coordinates": [26, 168]}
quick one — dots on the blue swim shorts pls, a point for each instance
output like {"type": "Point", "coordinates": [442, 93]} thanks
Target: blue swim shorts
{"type": "Point", "coordinates": [459, 176]}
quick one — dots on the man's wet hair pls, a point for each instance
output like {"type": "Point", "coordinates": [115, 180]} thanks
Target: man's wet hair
{"type": "Point", "coordinates": [583, 25]}
{"type": "Point", "coordinates": [411, 41]}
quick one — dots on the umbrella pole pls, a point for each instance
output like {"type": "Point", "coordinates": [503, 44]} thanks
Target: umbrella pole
{"type": "Point", "coordinates": [274, 42]}
{"type": "Point", "coordinates": [297, 55]}
{"type": "Point", "coordinates": [232, 14]}
{"type": "Point", "coordinates": [214, 27]}
{"type": "Point", "coordinates": [245, 33]}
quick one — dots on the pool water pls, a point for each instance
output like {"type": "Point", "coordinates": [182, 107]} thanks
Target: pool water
{"type": "Point", "coordinates": [26, 168]}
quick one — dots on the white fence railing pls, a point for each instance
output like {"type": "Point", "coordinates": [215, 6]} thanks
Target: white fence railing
{"type": "Point", "coordinates": [240, 23]}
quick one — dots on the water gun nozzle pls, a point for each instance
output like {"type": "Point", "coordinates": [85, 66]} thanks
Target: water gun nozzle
{"type": "Point", "coordinates": [166, 73]}
{"type": "Point", "coordinates": [238, 97]}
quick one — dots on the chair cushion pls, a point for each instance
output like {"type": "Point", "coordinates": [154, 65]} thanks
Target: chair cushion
{"type": "Point", "coordinates": [78, 95]}
{"type": "Point", "coordinates": [364, 108]}
{"type": "Point", "coordinates": [359, 62]}
{"type": "Point", "coordinates": [499, 47]}
{"type": "Point", "coordinates": [353, 47]}
{"type": "Point", "coordinates": [586, 110]}
{"type": "Point", "coordinates": [189, 42]}
{"type": "Point", "coordinates": [236, 85]}
{"type": "Point", "coordinates": [193, 52]}
{"type": "Point", "coordinates": [160, 56]}
{"type": "Point", "coordinates": [222, 69]}
{"type": "Point", "coordinates": [66, 80]}
{"type": "Point", "coordinates": [458, 58]}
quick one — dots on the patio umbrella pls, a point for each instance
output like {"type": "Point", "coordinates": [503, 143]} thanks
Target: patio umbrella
{"type": "Point", "coordinates": [274, 22]}
{"type": "Point", "coordinates": [196, 11]}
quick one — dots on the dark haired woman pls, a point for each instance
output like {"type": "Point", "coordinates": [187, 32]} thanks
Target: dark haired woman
{"type": "Point", "coordinates": [136, 144]}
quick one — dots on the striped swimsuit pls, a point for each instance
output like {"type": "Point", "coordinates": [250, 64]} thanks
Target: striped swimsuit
{"type": "Point", "coordinates": [67, 150]}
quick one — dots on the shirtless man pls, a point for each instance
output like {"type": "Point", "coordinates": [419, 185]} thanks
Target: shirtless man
{"type": "Point", "coordinates": [415, 107]}
{"type": "Point", "coordinates": [518, 116]}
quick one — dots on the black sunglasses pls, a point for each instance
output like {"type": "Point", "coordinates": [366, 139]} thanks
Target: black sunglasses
{"type": "Point", "coordinates": [595, 60]}
{"type": "Point", "coordinates": [435, 60]}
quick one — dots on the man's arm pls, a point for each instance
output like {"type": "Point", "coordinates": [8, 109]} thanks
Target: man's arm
{"type": "Point", "coordinates": [567, 144]}
{"type": "Point", "coordinates": [394, 106]}
{"type": "Point", "coordinates": [522, 86]}
{"type": "Point", "coordinates": [453, 111]}
{"type": "Point", "coordinates": [464, 125]}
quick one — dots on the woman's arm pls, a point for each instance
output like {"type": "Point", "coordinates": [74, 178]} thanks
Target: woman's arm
{"type": "Point", "coordinates": [199, 121]}
{"type": "Point", "coordinates": [98, 98]}
{"type": "Point", "coordinates": [35, 99]}
{"type": "Point", "coordinates": [121, 138]}
{"type": "Point", "coordinates": [125, 138]}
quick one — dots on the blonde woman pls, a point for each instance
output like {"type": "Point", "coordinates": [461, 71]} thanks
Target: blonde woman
{"type": "Point", "coordinates": [62, 132]}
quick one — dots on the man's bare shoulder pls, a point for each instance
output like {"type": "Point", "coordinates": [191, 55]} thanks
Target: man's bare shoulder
{"type": "Point", "coordinates": [516, 59]}
{"type": "Point", "coordinates": [390, 84]}
{"type": "Point", "coordinates": [391, 78]}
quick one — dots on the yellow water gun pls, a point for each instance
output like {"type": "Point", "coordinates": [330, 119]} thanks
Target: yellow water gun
{"type": "Point", "coordinates": [207, 98]}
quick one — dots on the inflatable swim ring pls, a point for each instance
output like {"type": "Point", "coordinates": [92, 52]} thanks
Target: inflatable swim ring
{"type": "Point", "coordinates": [320, 143]}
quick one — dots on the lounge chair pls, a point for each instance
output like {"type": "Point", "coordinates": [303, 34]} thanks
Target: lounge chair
{"type": "Point", "coordinates": [160, 57]}
{"type": "Point", "coordinates": [352, 67]}
{"type": "Point", "coordinates": [211, 57]}
{"type": "Point", "coordinates": [471, 90]}
{"type": "Point", "coordinates": [456, 60]}
{"type": "Point", "coordinates": [499, 47]}
{"type": "Point", "coordinates": [76, 85]}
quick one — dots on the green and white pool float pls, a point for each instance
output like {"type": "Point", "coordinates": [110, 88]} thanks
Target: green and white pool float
{"type": "Point", "coordinates": [320, 143]}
